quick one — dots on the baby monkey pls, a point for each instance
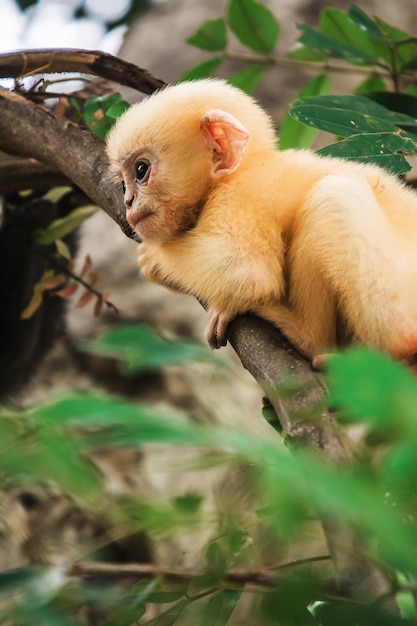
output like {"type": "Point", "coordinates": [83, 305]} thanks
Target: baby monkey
{"type": "Point", "coordinates": [324, 248]}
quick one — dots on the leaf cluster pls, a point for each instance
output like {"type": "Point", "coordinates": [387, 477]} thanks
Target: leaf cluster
{"type": "Point", "coordinates": [374, 125]}
{"type": "Point", "coordinates": [375, 498]}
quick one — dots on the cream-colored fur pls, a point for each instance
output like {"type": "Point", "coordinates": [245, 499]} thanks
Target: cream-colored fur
{"type": "Point", "coordinates": [324, 248]}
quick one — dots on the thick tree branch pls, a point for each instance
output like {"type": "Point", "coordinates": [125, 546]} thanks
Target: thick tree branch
{"type": "Point", "coordinates": [28, 63]}
{"type": "Point", "coordinates": [30, 130]}
{"type": "Point", "coordinates": [35, 175]}
{"type": "Point", "coordinates": [279, 369]}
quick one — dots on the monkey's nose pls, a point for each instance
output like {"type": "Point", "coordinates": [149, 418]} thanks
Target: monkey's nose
{"type": "Point", "coordinates": [129, 199]}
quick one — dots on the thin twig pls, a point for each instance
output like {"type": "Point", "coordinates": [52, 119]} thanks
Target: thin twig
{"type": "Point", "coordinates": [240, 576]}
{"type": "Point", "coordinates": [65, 270]}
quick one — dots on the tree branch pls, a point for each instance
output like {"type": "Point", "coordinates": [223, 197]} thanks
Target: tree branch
{"type": "Point", "coordinates": [35, 175]}
{"type": "Point", "coordinates": [279, 369]}
{"type": "Point", "coordinates": [95, 63]}
{"type": "Point", "coordinates": [31, 130]}
{"type": "Point", "coordinates": [235, 576]}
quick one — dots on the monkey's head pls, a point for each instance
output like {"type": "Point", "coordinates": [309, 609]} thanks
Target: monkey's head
{"type": "Point", "coordinates": [170, 150]}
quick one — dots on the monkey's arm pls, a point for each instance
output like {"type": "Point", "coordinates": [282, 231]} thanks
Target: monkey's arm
{"type": "Point", "coordinates": [228, 277]}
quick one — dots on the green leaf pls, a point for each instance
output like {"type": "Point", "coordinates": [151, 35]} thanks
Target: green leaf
{"type": "Point", "coordinates": [338, 24]}
{"type": "Point", "coordinates": [210, 36]}
{"type": "Point", "coordinates": [248, 78]}
{"type": "Point", "coordinates": [287, 605]}
{"type": "Point", "coordinates": [61, 227]}
{"type": "Point", "coordinates": [202, 70]}
{"type": "Point", "coordinates": [293, 134]}
{"type": "Point", "coordinates": [399, 103]}
{"type": "Point", "coordinates": [332, 47]}
{"type": "Point", "coordinates": [127, 617]}
{"type": "Point", "coordinates": [383, 149]}
{"type": "Point", "coordinates": [404, 47]}
{"type": "Point", "coordinates": [96, 112]}
{"type": "Point", "coordinates": [139, 348]}
{"type": "Point", "coordinates": [164, 597]}
{"type": "Point", "coordinates": [62, 249]}
{"type": "Point", "coordinates": [56, 456]}
{"type": "Point", "coordinates": [372, 84]}
{"type": "Point", "coordinates": [299, 52]}
{"type": "Point", "coordinates": [253, 24]}
{"type": "Point", "coordinates": [339, 121]}
{"type": "Point", "coordinates": [220, 608]}
{"type": "Point", "coordinates": [348, 115]}
{"type": "Point", "coordinates": [116, 110]}
{"type": "Point", "coordinates": [369, 386]}
{"type": "Point", "coordinates": [105, 420]}
{"type": "Point", "coordinates": [365, 23]}
{"type": "Point", "coordinates": [188, 503]}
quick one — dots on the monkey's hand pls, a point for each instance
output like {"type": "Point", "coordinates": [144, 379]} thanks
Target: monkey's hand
{"type": "Point", "coordinates": [217, 328]}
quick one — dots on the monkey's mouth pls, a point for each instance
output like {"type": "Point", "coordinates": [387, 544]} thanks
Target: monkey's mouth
{"type": "Point", "coordinates": [135, 219]}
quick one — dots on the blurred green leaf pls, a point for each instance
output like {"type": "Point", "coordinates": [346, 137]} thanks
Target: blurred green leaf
{"type": "Point", "coordinates": [14, 581]}
{"type": "Point", "coordinates": [339, 25]}
{"type": "Point", "coordinates": [332, 47]}
{"type": "Point", "coordinates": [29, 447]}
{"type": "Point", "coordinates": [248, 78]}
{"type": "Point", "coordinates": [253, 24]}
{"type": "Point", "coordinates": [62, 226]}
{"type": "Point", "coordinates": [380, 390]}
{"type": "Point", "coordinates": [104, 419]}
{"type": "Point", "coordinates": [292, 133]}
{"type": "Point", "coordinates": [205, 69]}
{"type": "Point", "coordinates": [188, 503]}
{"type": "Point", "coordinates": [372, 84]}
{"type": "Point", "coordinates": [288, 604]}
{"type": "Point", "coordinates": [56, 455]}
{"type": "Point", "coordinates": [127, 616]}
{"type": "Point", "coordinates": [383, 149]}
{"type": "Point", "coordinates": [210, 36]}
{"type": "Point", "coordinates": [402, 47]}
{"type": "Point", "coordinates": [216, 560]}
{"type": "Point", "coordinates": [365, 23]}
{"type": "Point", "coordinates": [348, 613]}
{"type": "Point", "coordinates": [139, 348]}
{"type": "Point", "coordinates": [220, 608]}
{"type": "Point", "coordinates": [237, 539]}
{"type": "Point", "coordinates": [299, 52]}
{"type": "Point", "coordinates": [164, 597]}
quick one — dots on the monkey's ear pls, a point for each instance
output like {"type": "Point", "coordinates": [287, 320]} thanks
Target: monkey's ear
{"type": "Point", "coordinates": [224, 135]}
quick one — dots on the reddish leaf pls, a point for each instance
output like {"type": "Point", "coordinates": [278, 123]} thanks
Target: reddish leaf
{"type": "Point", "coordinates": [94, 276]}
{"type": "Point", "coordinates": [67, 291]}
{"type": "Point", "coordinates": [98, 306]}
{"type": "Point", "coordinates": [87, 265]}
{"type": "Point", "coordinates": [84, 300]}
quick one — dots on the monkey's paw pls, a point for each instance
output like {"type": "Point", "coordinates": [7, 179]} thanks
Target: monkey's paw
{"type": "Point", "coordinates": [217, 328]}
{"type": "Point", "coordinates": [320, 361]}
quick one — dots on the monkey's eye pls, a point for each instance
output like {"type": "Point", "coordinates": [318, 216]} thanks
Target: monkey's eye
{"type": "Point", "coordinates": [124, 186]}
{"type": "Point", "coordinates": [143, 170]}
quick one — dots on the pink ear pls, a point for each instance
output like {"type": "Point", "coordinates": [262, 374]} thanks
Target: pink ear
{"type": "Point", "coordinates": [226, 137]}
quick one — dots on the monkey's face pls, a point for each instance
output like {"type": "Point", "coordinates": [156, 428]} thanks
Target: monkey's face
{"type": "Point", "coordinates": [170, 152]}
{"type": "Point", "coordinates": [164, 191]}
